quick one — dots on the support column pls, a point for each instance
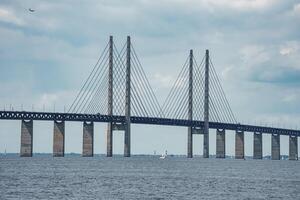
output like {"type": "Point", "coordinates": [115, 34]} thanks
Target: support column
{"type": "Point", "coordinates": [257, 145]}
{"type": "Point", "coordinates": [88, 139]}
{"type": "Point", "coordinates": [109, 133]}
{"type": "Point", "coordinates": [59, 139]}
{"type": "Point", "coordinates": [220, 146]}
{"type": "Point", "coordinates": [239, 145]}
{"type": "Point", "coordinates": [127, 101]}
{"type": "Point", "coordinates": [190, 108]}
{"type": "Point", "coordinates": [26, 138]}
{"type": "Point", "coordinates": [206, 108]}
{"type": "Point", "coordinates": [275, 147]}
{"type": "Point", "coordinates": [109, 140]}
{"type": "Point", "coordinates": [293, 149]}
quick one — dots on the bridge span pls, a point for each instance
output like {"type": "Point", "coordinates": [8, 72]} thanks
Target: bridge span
{"type": "Point", "coordinates": [76, 117]}
{"type": "Point", "coordinates": [118, 124]}
{"type": "Point", "coordinates": [117, 92]}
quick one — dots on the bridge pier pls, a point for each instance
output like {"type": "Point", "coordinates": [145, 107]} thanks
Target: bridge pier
{"type": "Point", "coordinates": [293, 147]}
{"type": "Point", "coordinates": [257, 145]}
{"type": "Point", "coordinates": [127, 139]}
{"type": "Point", "coordinates": [109, 140]}
{"type": "Point", "coordinates": [26, 138]}
{"type": "Point", "coordinates": [88, 139]}
{"type": "Point", "coordinates": [239, 145]}
{"type": "Point", "coordinates": [275, 147]}
{"type": "Point", "coordinates": [59, 139]}
{"type": "Point", "coordinates": [220, 146]}
{"type": "Point", "coordinates": [190, 143]}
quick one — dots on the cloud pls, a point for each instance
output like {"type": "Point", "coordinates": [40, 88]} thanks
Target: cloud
{"type": "Point", "coordinates": [291, 98]}
{"type": "Point", "coordinates": [289, 48]}
{"type": "Point", "coordinates": [296, 9]}
{"type": "Point", "coordinates": [161, 80]}
{"type": "Point", "coordinates": [242, 4]}
{"type": "Point", "coordinates": [8, 16]}
{"type": "Point", "coordinates": [279, 75]}
{"type": "Point", "coordinates": [254, 54]}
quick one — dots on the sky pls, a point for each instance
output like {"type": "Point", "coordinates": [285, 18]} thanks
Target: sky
{"type": "Point", "coordinates": [46, 55]}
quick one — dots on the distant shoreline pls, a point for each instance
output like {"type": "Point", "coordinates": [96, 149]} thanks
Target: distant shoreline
{"type": "Point", "coordinates": [267, 157]}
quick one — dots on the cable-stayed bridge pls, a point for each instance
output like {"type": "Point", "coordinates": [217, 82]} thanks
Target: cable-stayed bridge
{"type": "Point", "coordinates": [118, 93]}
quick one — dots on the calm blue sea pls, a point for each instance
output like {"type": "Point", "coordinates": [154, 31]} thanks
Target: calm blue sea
{"type": "Point", "coordinates": [146, 177]}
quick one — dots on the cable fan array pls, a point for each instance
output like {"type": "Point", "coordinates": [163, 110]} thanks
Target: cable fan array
{"type": "Point", "coordinates": [93, 96]}
{"type": "Point", "coordinates": [176, 103]}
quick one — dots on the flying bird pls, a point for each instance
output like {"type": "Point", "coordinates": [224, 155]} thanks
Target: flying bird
{"type": "Point", "coordinates": [31, 10]}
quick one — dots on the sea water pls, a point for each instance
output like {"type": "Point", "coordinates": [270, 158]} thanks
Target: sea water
{"type": "Point", "coordinates": [147, 177]}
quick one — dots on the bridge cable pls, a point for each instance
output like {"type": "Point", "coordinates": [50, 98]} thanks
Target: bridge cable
{"type": "Point", "coordinates": [223, 94]}
{"type": "Point", "coordinates": [93, 87]}
{"type": "Point", "coordinates": [153, 96]}
{"type": "Point", "coordinates": [82, 88]}
{"type": "Point", "coordinates": [175, 93]}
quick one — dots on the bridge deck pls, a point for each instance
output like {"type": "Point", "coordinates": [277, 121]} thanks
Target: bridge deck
{"type": "Point", "coordinates": [48, 116]}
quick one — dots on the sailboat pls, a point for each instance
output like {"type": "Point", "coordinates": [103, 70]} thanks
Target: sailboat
{"type": "Point", "coordinates": [163, 156]}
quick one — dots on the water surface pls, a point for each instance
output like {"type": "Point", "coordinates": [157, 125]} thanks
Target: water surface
{"type": "Point", "coordinates": [144, 177]}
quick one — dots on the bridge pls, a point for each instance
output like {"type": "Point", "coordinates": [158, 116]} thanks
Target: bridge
{"type": "Point", "coordinates": [117, 92]}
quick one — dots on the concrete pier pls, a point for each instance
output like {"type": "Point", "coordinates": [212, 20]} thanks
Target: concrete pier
{"type": "Point", "coordinates": [109, 140]}
{"type": "Point", "coordinates": [220, 146]}
{"type": "Point", "coordinates": [26, 138]}
{"type": "Point", "coordinates": [293, 150]}
{"type": "Point", "coordinates": [59, 139]}
{"type": "Point", "coordinates": [275, 147]}
{"type": "Point", "coordinates": [190, 143]}
{"type": "Point", "coordinates": [239, 145]}
{"type": "Point", "coordinates": [88, 139]}
{"type": "Point", "coordinates": [257, 145]}
{"type": "Point", "coordinates": [127, 139]}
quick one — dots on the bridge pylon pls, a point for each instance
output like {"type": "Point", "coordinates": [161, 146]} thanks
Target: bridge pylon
{"type": "Point", "coordinates": [127, 100]}
{"type": "Point", "coordinates": [109, 134]}
{"type": "Point", "coordinates": [206, 108]}
{"type": "Point", "coordinates": [190, 107]}
{"type": "Point", "coordinates": [125, 126]}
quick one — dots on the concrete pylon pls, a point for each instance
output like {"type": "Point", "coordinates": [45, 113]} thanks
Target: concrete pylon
{"type": "Point", "coordinates": [109, 132]}
{"type": "Point", "coordinates": [59, 139]}
{"type": "Point", "coordinates": [26, 138]}
{"type": "Point", "coordinates": [257, 145]}
{"type": "Point", "coordinates": [239, 145]}
{"type": "Point", "coordinates": [206, 107]}
{"type": "Point", "coordinates": [220, 144]}
{"type": "Point", "coordinates": [127, 124]}
{"type": "Point", "coordinates": [293, 147]}
{"type": "Point", "coordinates": [275, 147]}
{"type": "Point", "coordinates": [190, 108]}
{"type": "Point", "coordinates": [88, 139]}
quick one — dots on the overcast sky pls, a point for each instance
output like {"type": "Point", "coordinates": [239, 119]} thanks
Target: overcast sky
{"type": "Point", "coordinates": [46, 55]}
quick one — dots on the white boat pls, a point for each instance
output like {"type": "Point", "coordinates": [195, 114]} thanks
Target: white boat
{"type": "Point", "coordinates": [163, 156]}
